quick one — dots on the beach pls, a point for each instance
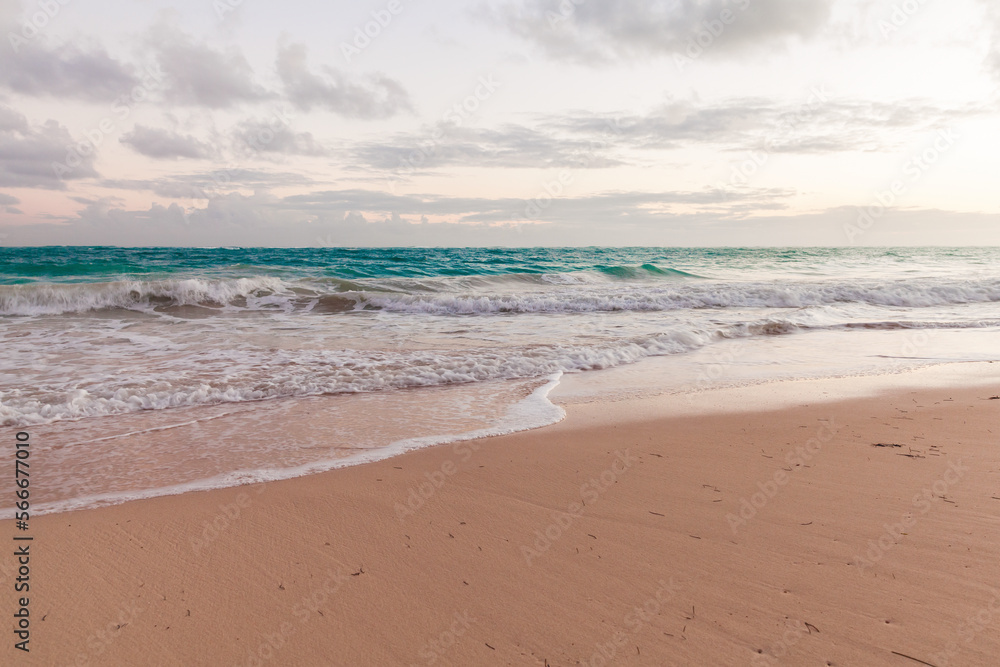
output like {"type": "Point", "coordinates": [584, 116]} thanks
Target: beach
{"type": "Point", "coordinates": [533, 332]}
{"type": "Point", "coordinates": [827, 522]}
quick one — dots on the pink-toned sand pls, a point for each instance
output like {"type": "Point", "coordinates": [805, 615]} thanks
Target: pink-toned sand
{"type": "Point", "coordinates": [595, 541]}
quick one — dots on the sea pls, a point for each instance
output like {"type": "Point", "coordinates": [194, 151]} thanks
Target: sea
{"type": "Point", "coordinates": [140, 372]}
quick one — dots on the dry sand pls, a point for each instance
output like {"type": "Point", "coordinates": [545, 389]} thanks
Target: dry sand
{"type": "Point", "coordinates": [605, 539]}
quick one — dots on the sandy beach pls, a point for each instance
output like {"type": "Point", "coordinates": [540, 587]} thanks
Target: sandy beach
{"type": "Point", "coordinates": [830, 532]}
{"type": "Point", "coordinates": [544, 333]}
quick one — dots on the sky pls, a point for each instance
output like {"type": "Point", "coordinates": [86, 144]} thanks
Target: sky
{"type": "Point", "coordinates": [500, 122]}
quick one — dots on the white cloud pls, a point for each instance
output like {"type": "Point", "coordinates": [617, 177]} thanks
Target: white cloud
{"type": "Point", "coordinates": [28, 153]}
{"type": "Point", "coordinates": [587, 30]}
{"type": "Point", "coordinates": [28, 66]}
{"type": "Point", "coordinates": [374, 96]}
{"type": "Point", "coordinates": [163, 144]}
{"type": "Point", "coordinates": [197, 74]}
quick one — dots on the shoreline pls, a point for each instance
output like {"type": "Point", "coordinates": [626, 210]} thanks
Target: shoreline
{"type": "Point", "coordinates": [533, 412]}
{"type": "Point", "coordinates": [541, 407]}
{"type": "Point", "coordinates": [607, 535]}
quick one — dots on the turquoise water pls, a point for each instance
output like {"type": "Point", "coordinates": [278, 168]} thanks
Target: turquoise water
{"type": "Point", "coordinates": [388, 346]}
{"type": "Point", "coordinates": [81, 264]}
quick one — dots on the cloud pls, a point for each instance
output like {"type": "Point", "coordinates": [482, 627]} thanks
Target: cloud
{"type": "Point", "coordinates": [586, 30]}
{"type": "Point", "coordinates": [991, 22]}
{"type": "Point", "coordinates": [8, 203]}
{"type": "Point", "coordinates": [211, 184]}
{"type": "Point", "coordinates": [819, 124]}
{"type": "Point", "coordinates": [28, 67]}
{"type": "Point", "coordinates": [509, 146]}
{"type": "Point", "coordinates": [272, 135]}
{"type": "Point", "coordinates": [198, 75]}
{"type": "Point", "coordinates": [581, 211]}
{"type": "Point", "coordinates": [376, 96]}
{"type": "Point", "coordinates": [613, 208]}
{"type": "Point", "coordinates": [69, 73]}
{"type": "Point", "coordinates": [27, 153]}
{"type": "Point", "coordinates": [330, 219]}
{"type": "Point", "coordinates": [163, 144]}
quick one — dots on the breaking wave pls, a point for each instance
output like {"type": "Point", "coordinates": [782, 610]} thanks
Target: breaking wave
{"type": "Point", "coordinates": [512, 293]}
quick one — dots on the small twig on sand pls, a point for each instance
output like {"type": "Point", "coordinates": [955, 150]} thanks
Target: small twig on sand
{"type": "Point", "coordinates": [922, 662]}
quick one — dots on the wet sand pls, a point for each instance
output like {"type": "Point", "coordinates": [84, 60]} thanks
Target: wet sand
{"type": "Point", "coordinates": [623, 535]}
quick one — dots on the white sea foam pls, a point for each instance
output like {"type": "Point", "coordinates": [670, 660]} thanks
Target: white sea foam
{"type": "Point", "coordinates": [551, 293]}
{"type": "Point", "coordinates": [696, 296]}
{"type": "Point", "coordinates": [265, 375]}
{"type": "Point", "coordinates": [54, 299]}
{"type": "Point", "coordinates": [172, 374]}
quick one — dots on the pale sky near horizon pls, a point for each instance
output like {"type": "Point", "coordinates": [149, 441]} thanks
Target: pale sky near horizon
{"type": "Point", "coordinates": [500, 122]}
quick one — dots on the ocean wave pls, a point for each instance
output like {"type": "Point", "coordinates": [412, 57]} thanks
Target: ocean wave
{"type": "Point", "coordinates": [324, 294]}
{"type": "Point", "coordinates": [236, 376]}
{"type": "Point", "coordinates": [578, 292]}
{"type": "Point", "coordinates": [694, 296]}
{"type": "Point", "coordinates": [907, 325]}
{"type": "Point", "coordinates": [56, 299]}
{"type": "Point", "coordinates": [644, 271]}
